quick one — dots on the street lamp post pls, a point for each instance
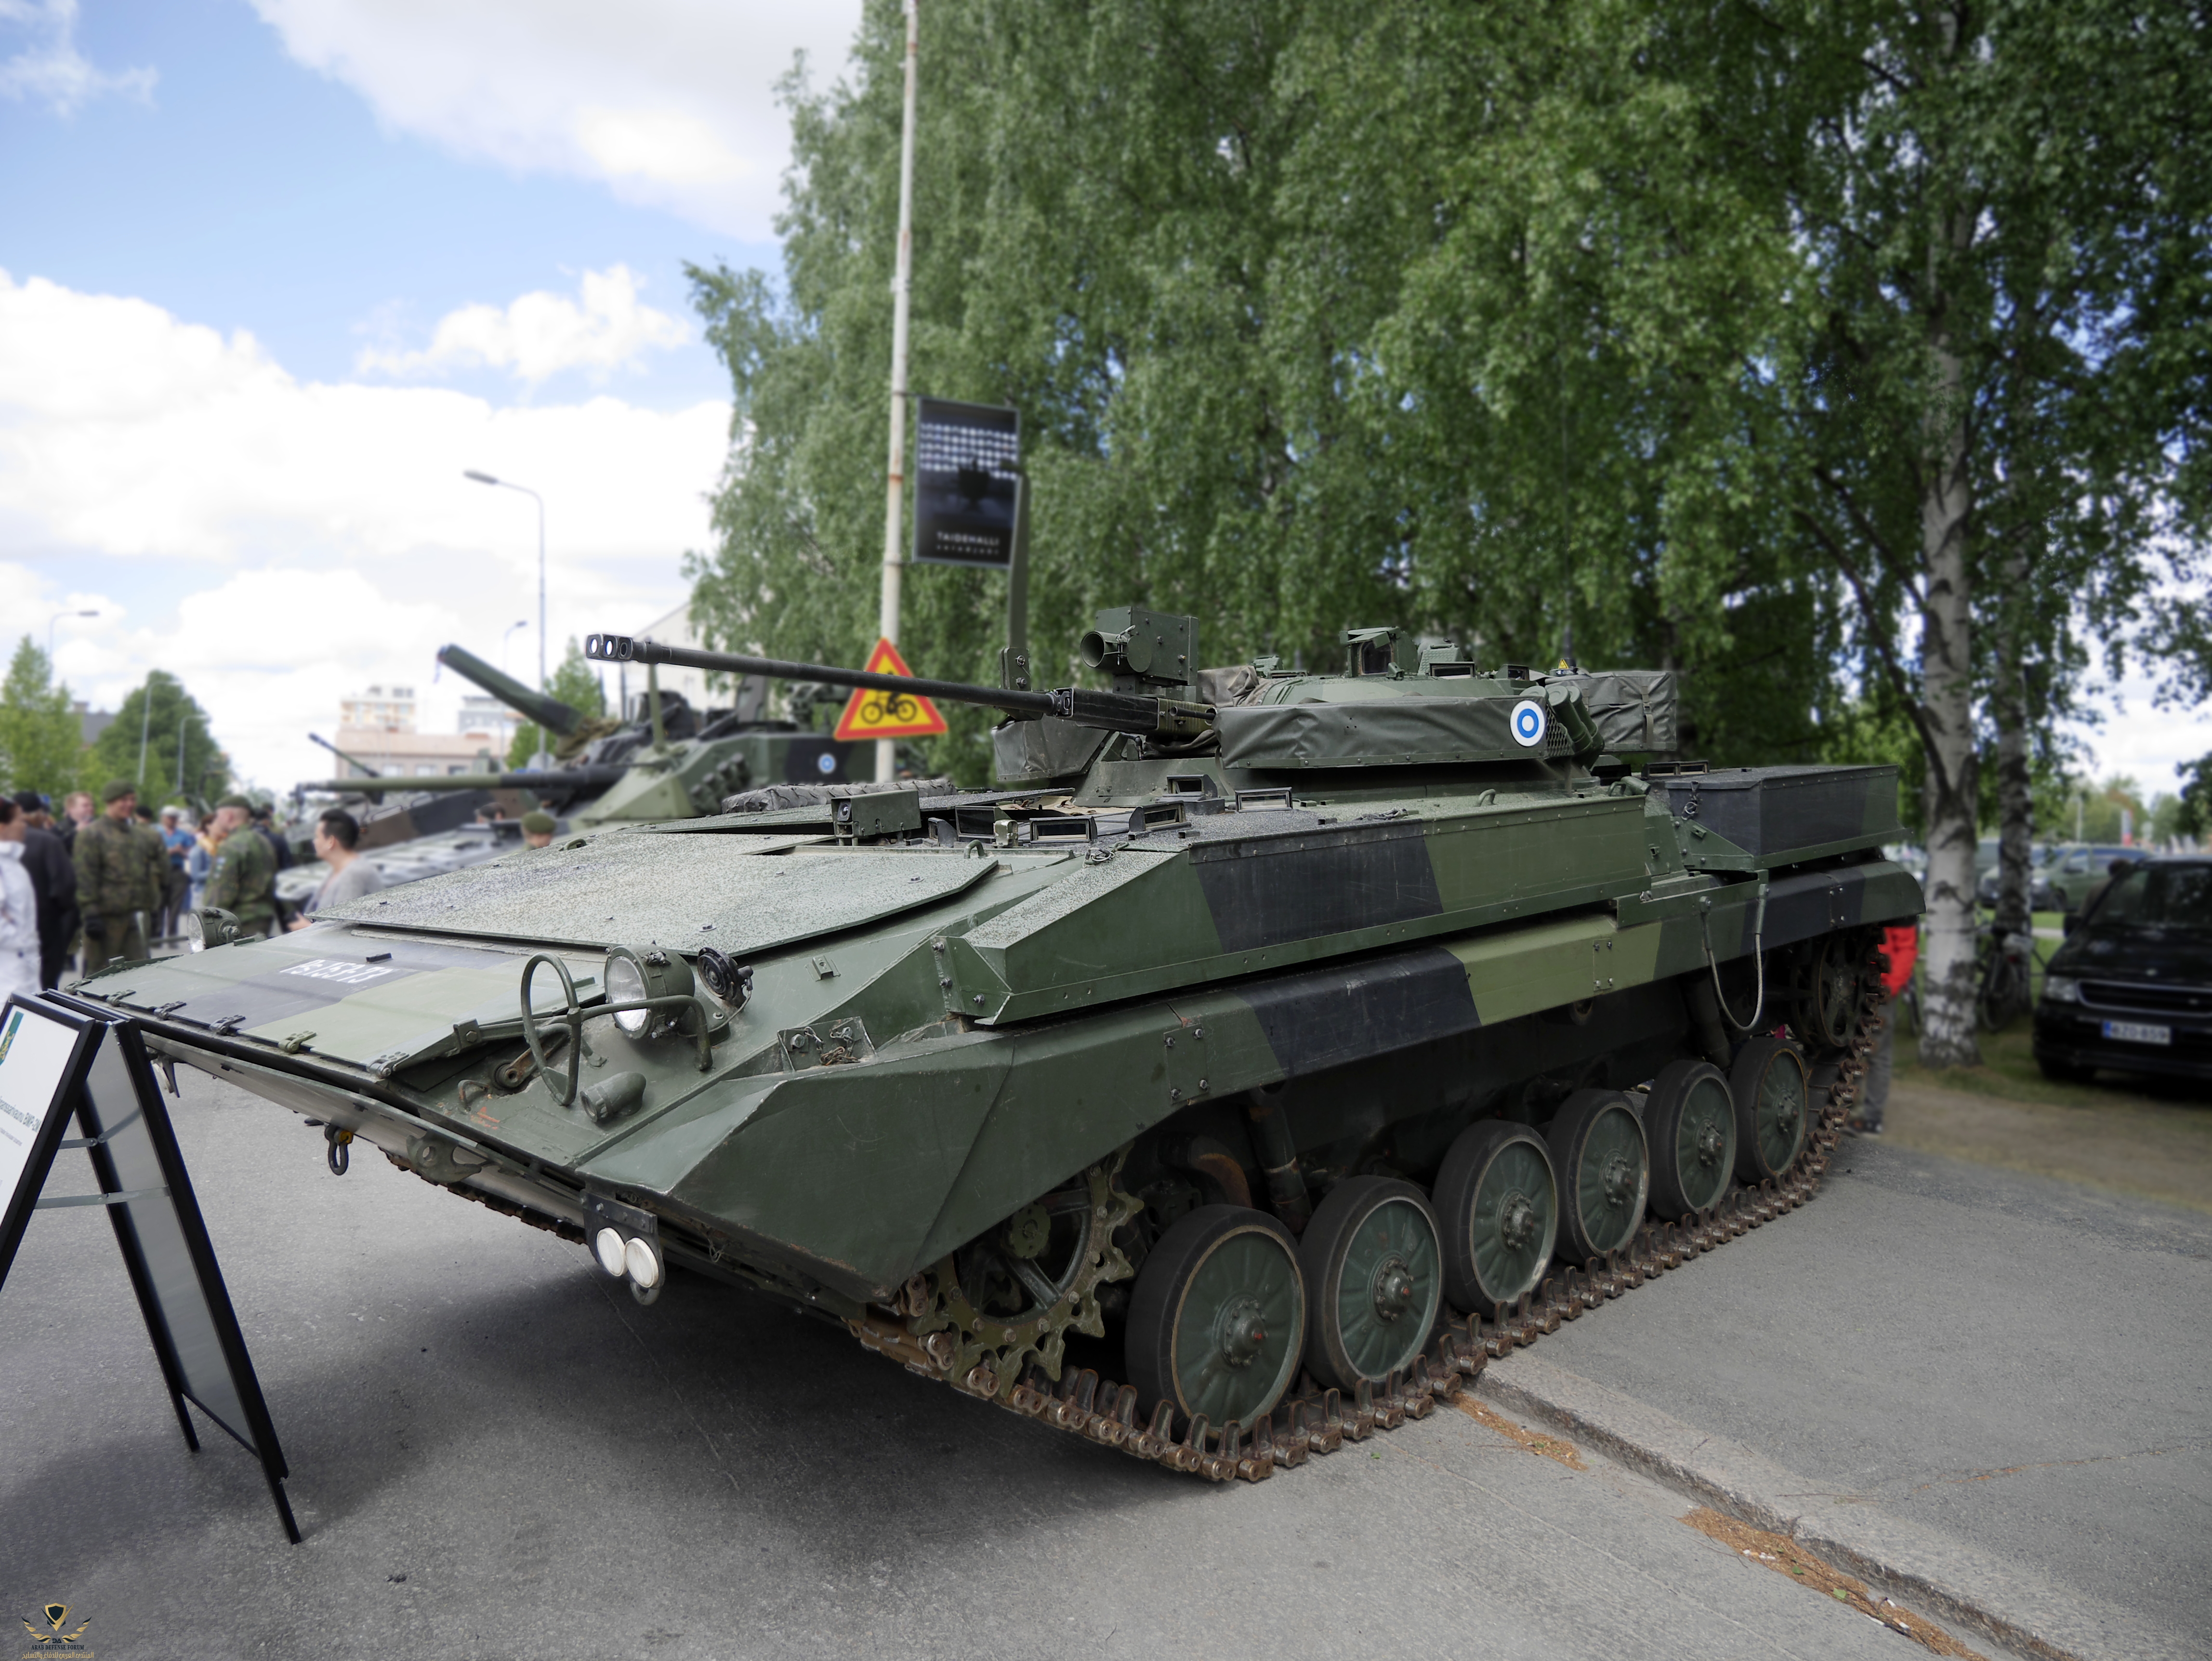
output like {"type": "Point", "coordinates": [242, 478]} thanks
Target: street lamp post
{"type": "Point", "coordinates": [507, 485]}
{"type": "Point", "coordinates": [53, 620]}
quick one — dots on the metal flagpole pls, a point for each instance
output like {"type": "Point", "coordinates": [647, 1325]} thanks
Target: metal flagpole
{"type": "Point", "coordinates": [893, 517]}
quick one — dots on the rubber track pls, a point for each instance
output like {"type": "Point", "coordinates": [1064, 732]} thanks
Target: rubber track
{"type": "Point", "coordinates": [1321, 1422]}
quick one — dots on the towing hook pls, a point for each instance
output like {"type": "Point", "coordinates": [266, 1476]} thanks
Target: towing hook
{"type": "Point", "coordinates": [335, 1149]}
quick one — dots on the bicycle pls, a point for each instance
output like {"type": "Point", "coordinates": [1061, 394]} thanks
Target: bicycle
{"type": "Point", "coordinates": [2002, 989]}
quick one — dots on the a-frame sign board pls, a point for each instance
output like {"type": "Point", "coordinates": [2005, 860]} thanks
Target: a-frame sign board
{"type": "Point", "coordinates": [59, 1056]}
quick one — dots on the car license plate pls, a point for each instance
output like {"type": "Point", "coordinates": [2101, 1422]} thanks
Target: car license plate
{"type": "Point", "coordinates": [2137, 1032]}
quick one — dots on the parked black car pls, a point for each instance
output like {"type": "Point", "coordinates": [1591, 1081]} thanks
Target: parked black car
{"type": "Point", "coordinates": [2131, 989]}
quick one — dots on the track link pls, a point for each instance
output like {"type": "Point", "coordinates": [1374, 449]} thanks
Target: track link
{"type": "Point", "coordinates": [1085, 1404]}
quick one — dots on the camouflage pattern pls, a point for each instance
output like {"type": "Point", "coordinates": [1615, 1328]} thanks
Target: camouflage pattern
{"type": "Point", "coordinates": [958, 1003]}
{"type": "Point", "coordinates": [243, 879]}
{"type": "Point", "coordinates": [114, 874]}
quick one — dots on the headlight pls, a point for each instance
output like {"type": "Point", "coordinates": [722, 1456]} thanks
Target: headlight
{"type": "Point", "coordinates": [210, 925]}
{"type": "Point", "coordinates": [644, 1262]}
{"type": "Point", "coordinates": [2062, 989]}
{"type": "Point", "coordinates": [626, 985]}
{"type": "Point", "coordinates": [607, 1246]}
{"type": "Point", "coordinates": [632, 976]}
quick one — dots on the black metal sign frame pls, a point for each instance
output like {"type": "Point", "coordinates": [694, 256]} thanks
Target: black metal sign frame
{"type": "Point", "coordinates": [148, 1198]}
{"type": "Point", "coordinates": [967, 469]}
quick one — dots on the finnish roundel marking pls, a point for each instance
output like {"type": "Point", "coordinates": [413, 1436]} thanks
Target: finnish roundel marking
{"type": "Point", "coordinates": [826, 761]}
{"type": "Point", "coordinates": [1527, 723]}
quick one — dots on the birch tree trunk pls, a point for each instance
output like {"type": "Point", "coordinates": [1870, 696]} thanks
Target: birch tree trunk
{"type": "Point", "coordinates": [1947, 1032]}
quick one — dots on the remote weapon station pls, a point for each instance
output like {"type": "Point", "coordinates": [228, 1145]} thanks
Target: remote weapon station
{"type": "Point", "coordinates": [1268, 1050]}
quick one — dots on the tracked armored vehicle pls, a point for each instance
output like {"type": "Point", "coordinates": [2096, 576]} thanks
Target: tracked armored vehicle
{"type": "Point", "coordinates": [1273, 1049]}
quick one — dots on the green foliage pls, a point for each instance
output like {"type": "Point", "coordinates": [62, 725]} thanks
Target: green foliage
{"type": "Point", "coordinates": [576, 684]}
{"type": "Point", "coordinates": [160, 711]}
{"type": "Point", "coordinates": [41, 735]}
{"type": "Point", "coordinates": [1608, 320]}
{"type": "Point", "coordinates": [2193, 813]}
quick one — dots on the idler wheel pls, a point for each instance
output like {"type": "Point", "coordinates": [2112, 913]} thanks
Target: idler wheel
{"type": "Point", "coordinates": [1605, 1173]}
{"type": "Point", "coordinates": [1217, 1316]}
{"type": "Point", "coordinates": [1499, 1209]}
{"type": "Point", "coordinates": [1374, 1266]}
{"type": "Point", "coordinates": [1826, 1015]}
{"type": "Point", "coordinates": [1768, 1085]}
{"type": "Point", "coordinates": [1689, 1124]}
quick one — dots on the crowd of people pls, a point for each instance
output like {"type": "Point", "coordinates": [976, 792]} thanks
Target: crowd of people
{"type": "Point", "coordinates": [99, 883]}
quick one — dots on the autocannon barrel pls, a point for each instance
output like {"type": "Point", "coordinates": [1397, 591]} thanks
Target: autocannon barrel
{"type": "Point", "coordinates": [1112, 712]}
{"type": "Point", "coordinates": [548, 713]}
{"type": "Point", "coordinates": [559, 778]}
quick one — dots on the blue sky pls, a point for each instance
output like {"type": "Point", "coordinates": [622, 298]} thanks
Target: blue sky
{"type": "Point", "coordinates": [276, 270]}
{"type": "Point", "coordinates": [327, 226]}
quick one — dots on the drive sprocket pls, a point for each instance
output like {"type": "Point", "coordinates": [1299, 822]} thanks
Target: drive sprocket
{"type": "Point", "coordinates": [1019, 1288]}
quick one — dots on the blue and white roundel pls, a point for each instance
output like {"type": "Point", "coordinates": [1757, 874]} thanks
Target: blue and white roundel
{"type": "Point", "coordinates": [1527, 722]}
{"type": "Point", "coordinates": [827, 761]}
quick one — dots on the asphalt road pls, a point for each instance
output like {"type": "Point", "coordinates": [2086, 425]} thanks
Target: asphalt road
{"type": "Point", "coordinates": [2016, 1364]}
{"type": "Point", "coordinates": [497, 1454]}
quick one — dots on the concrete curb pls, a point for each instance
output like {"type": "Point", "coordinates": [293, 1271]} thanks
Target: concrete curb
{"type": "Point", "coordinates": [1954, 1581]}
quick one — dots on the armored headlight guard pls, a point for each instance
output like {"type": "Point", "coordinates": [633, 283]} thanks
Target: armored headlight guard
{"type": "Point", "coordinates": [682, 1008]}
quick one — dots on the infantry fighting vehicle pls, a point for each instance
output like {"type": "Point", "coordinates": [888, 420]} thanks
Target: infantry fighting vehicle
{"type": "Point", "coordinates": [669, 761]}
{"type": "Point", "coordinates": [1279, 1044]}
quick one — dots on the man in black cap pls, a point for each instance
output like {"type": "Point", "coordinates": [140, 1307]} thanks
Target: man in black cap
{"type": "Point", "coordinates": [53, 876]}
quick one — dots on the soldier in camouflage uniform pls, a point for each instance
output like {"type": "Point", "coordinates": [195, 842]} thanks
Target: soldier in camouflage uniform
{"type": "Point", "coordinates": [115, 881]}
{"type": "Point", "coordinates": [244, 879]}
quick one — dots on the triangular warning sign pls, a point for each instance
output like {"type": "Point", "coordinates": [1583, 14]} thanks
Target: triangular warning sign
{"type": "Point", "coordinates": [876, 714]}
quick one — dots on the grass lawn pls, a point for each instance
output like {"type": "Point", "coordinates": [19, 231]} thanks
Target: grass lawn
{"type": "Point", "coordinates": [2143, 1136]}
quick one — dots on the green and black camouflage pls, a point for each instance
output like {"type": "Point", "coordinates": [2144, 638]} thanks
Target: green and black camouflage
{"type": "Point", "coordinates": [1383, 991]}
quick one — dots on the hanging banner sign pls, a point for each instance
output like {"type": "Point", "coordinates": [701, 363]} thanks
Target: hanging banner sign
{"type": "Point", "coordinates": [879, 715]}
{"type": "Point", "coordinates": [967, 461]}
{"type": "Point", "coordinates": [58, 1055]}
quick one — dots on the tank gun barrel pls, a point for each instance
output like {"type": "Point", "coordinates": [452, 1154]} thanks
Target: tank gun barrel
{"type": "Point", "coordinates": [559, 778]}
{"type": "Point", "coordinates": [351, 761]}
{"type": "Point", "coordinates": [1112, 712]}
{"type": "Point", "coordinates": [548, 713]}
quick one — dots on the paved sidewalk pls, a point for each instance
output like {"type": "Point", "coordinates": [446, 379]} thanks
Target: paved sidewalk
{"type": "Point", "coordinates": [1993, 1380]}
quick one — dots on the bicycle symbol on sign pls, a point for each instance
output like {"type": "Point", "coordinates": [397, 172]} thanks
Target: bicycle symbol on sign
{"type": "Point", "coordinates": [891, 709]}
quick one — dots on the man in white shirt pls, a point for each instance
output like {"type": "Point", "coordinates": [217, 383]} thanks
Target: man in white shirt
{"type": "Point", "coordinates": [337, 837]}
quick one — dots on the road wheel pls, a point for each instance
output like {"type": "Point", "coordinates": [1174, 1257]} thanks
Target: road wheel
{"type": "Point", "coordinates": [1689, 1123]}
{"type": "Point", "coordinates": [1500, 1207]}
{"type": "Point", "coordinates": [1217, 1316]}
{"type": "Point", "coordinates": [1768, 1085]}
{"type": "Point", "coordinates": [1374, 1265]}
{"type": "Point", "coordinates": [1605, 1173]}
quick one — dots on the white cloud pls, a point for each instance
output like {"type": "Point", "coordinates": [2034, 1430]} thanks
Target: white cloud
{"type": "Point", "coordinates": [670, 102]}
{"type": "Point", "coordinates": [50, 69]}
{"type": "Point", "coordinates": [542, 334]}
{"type": "Point", "coordinates": [348, 547]}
